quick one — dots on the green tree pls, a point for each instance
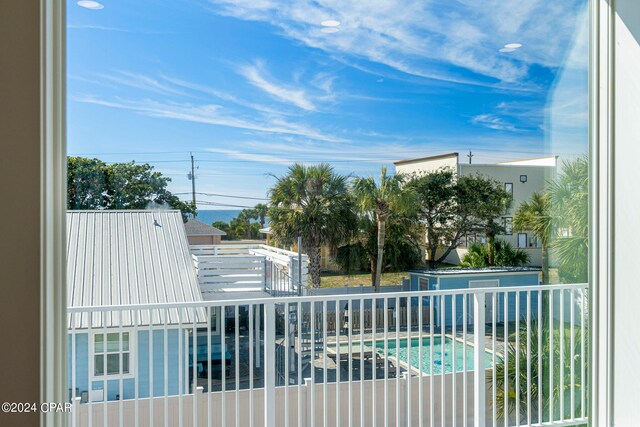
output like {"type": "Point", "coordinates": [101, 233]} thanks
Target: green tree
{"type": "Point", "coordinates": [311, 202]}
{"type": "Point", "coordinates": [224, 226]}
{"type": "Point", "coordinates": [436, 194]}
{"type": "Point", "coordinates": [505, 255]}
{"type": "Point", "coordinates": [452, 207]}
{"type": "Point", "coordinates": [535, 215]}
{"type": "Point", "coordinates": [261, 211]}
{"type": "Point", "coordinates": [401, 247]}
{"type": "Point", "coordinates": [245, 217]}
{"type": "Point", "coordinates": [506, 396]}
{"type": "Point", "coordinates": [94, 184]}
{"type": "Point", "coordinates": [379, 200]}
{"type": "Point", "coordinates": [569, 195]}
{"type": "Point", "coordinates": [487, 200]}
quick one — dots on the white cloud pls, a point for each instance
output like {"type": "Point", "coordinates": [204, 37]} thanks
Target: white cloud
{"type": "Point", "coordinates": [256, 76]}
{"type": "Point", "coordinates": [212, 114]}
{"type": "Point", "coordinates": [425, 39]}
{"type": "Point", "coordinates": [494, 122]}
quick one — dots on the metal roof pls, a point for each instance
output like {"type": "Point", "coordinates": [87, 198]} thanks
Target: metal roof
{"type": "Point", "coordinates": [195, 227]}
{"type": "Point", "coordinates": [129, 257]}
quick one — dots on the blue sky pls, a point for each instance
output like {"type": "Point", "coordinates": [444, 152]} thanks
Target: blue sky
{"type": "Point", "coordinates": [250, 86]}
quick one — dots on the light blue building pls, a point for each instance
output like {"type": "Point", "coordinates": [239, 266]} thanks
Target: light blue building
{"type": "Point", "coordinates": [133, 257]}
{"type": "Point", "coordinates": [470, 278]}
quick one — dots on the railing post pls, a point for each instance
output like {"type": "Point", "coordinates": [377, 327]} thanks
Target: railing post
{"type": "Point", "coordinates": [479, 376]}
{"type": "Point", "coordinates": [270, 364]}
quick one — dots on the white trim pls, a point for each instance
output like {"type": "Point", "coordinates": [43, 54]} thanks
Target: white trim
{"type": "Point", "coordinates": [53, 330]}
{"type": "Point", "coordinates": [601, 119]}
{"type": "Point", "coordinates": [109, 377]}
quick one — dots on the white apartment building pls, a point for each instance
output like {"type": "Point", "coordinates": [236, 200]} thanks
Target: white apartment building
{"type": "Point", "coordinates": [521, 178]}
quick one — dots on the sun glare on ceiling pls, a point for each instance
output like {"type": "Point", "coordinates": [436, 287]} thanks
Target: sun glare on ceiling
{"type": "Point", "coordinates": [330, 23]}
{"type": "Point", "coordinates": [510, 47]}
{"type": "Point", "coordinates": [89, 4]}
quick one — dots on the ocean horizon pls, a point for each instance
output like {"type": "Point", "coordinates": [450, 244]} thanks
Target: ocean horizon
{"type": "Point", "coordinates": [213, 215]}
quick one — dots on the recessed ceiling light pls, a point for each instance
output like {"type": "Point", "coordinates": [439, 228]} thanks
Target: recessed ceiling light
{"type": "Point", "coordinates": [513, 46]}
{"type": "Point", "coordinates": [90, 4]}
{"type": "Point", "coordinates": [507, 49]}
{"type": "Point", "coordinates": [330, 30]}
{"type": "Point", "coordinates": [330, 23]}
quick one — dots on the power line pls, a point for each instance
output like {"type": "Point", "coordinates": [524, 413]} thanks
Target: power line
{"type": "Point", "coordinates": [225, 195]}
{"type": "Point", "coordinates": [207, 203]}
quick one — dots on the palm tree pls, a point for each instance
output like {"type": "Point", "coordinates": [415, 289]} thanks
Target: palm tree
{"type": "Point", "coordinates": [530, 339]}
{"type": "Point", "coordinates": [534, 215]}
{"type": "Point", "coordinates": [569, 198]}
{"type": "Point", "coordinates": [261, 210]}
{"type": "Point", "coordinates": [311, 202]}
{"type": "Point", "coordinates": [505, 255]}
{"type": "Point", "coordinates": [386, 197]}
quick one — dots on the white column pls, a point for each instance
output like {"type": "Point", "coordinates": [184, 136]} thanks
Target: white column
{"type": "Point", "coordinates": [479, 398]}
{"type": "Point", "coordinates": [270, 365]}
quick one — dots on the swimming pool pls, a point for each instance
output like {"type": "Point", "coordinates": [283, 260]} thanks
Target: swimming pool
{"type": "Point", "coordinates": [425, 364]}
{"type": "Point", "coordinates": [438, 360]}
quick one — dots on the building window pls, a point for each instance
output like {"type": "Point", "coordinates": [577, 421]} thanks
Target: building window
{"type": "Point", "coordinates": [508, 187]}
{"type": "Point", "coordinates": [508, 225]}
{"type": "Point", "coordinates": [523, 178]}
{"type": "Point", "coordinates": [111, 354]}
{"type": "Point", "coordinates": [424, 284]}
{"type": "Point", "coordinates": [522, 240]}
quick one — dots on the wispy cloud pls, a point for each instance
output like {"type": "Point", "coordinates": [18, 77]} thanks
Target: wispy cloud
{"type": "Point", "coordinates": [241, 155]}
{"type": "Point", "coordinates": [255, 75]}
{"type": "Point", "coordinates": [97, 27]}
{"type": "Point", "coordinates": [417, 38]}
{"type": "Point", "coordinates": [494, 122]}
{"type": "Point", "coordinates": [143, 82]}
{"type": "Point", "coordinates": [212, 114]}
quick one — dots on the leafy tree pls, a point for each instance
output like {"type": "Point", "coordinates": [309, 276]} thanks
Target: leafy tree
{"type": "Point", "coordinates": [379, 200]}
{"type": "Point", "coordinates": [535, 215]}
{"type": "Point", "coordinates": [505, 255]}
{"type": "Point", "coordinates": [224, 226]}
{"type": "Point", "coordinates": [436, 193]}
{"type": "Point", "coordinates": [94, 184]}
{"type": "Point", "coordinates": [452, 207]}
{"type": "Point", "coordinates": [487, 200]}
{"type": "Point", "coordinates": [401, 247]}
{"type": "Point", "coordinates": [312, 202]}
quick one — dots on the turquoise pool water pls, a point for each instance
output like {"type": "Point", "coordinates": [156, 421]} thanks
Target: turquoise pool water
{"type": "Point", "coordinates": [440, 361]}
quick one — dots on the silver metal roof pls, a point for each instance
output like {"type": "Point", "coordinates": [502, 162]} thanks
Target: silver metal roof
{"type": "Point", "coordinates": [129, 257]}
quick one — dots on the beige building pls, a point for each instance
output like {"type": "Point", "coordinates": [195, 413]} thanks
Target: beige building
{"type": "Point", "coordinates": [521, 178]}
{"type": "Point", "coordinates": [199, 233]}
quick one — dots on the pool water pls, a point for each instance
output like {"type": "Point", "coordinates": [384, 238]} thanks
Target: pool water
{"type": "Point", "coordinates": [439, 362]}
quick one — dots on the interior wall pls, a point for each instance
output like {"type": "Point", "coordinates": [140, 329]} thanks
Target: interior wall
{"type": "Point", "coordinates": [20, 207]}
{"type": "Point", "coordinates": [626, 288]}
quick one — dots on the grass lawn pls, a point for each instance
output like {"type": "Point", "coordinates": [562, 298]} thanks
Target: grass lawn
{"type": "Point", "coordinates": [338, 280]}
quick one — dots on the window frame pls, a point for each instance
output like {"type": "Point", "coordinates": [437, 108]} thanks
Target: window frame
{"type": "Point", "coordinates": [526, 241]}
{"type": "Point", "coordinates": [92, 355]}
{"type": "Point", "coordinates": [509, 191]}
{"type": "Point", "coordinates": [52, 246]}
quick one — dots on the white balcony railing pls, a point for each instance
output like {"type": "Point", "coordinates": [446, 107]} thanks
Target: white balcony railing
{"type": "Point", "coordinates": [249, 267]}
{"type": "Point", "coordinates": [474, 357]}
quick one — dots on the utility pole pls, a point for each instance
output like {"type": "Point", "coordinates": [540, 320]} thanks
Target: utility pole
{"type": "Point", "coordinates": [192, 177]}
{"type": "Point", "coordinates": [470, 155]}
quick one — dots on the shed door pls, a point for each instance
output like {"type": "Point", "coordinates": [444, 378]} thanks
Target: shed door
{"type": "Point", "coordinates": [488, 301]}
